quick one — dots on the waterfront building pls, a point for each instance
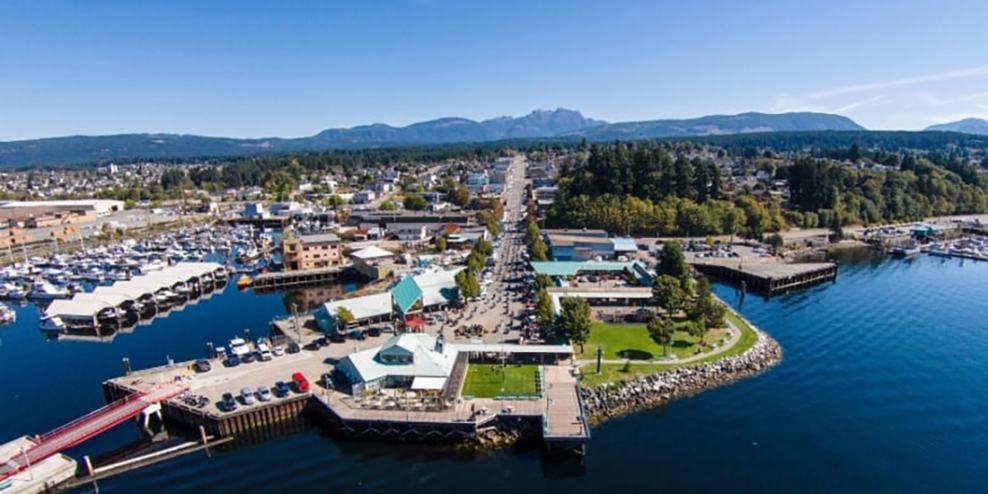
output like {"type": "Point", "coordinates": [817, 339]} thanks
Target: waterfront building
{"type": "Point", "coordinates": [415, 361]}
{"type": "Point", "coordinates": [311, 251]}
{"type": "Point", "coordinates": [410, 297]}
{"type": "Point", "coordinates": [373, 262]}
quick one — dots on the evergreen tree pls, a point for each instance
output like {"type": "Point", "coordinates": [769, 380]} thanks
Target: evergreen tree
{"type": "Point", "coordinates": [669, 294]}
{"type": "Point", "coordinates": [716, 188]}
{"type": "Point", "coordinates": [672, 263]}
{"type": "Point", "coordinates": [573, 321]}
{"type": "Point", "coordinates": [700, 181]}
{"type": "Point", "coordinates": [684, 178]}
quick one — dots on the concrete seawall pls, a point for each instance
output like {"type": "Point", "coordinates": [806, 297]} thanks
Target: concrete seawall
{"type": "Point", "coordinates": [652, 390]}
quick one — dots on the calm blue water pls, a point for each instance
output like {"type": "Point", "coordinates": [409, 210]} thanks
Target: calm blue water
{"type": "Point", "coordinates": [883, 388]}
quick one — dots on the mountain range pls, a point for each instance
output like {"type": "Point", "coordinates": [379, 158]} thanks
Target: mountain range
{"type": "Point", "coordinates": [560, 123]}
{"type": "Point", "coordinates": [967, 126]}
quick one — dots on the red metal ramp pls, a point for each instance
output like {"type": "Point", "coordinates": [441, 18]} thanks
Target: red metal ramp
{"type": "Point", "coordinates": [88, 426]}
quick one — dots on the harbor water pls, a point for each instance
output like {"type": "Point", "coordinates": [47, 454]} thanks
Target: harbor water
{"type": "Point", "coordinates": [882, 390]}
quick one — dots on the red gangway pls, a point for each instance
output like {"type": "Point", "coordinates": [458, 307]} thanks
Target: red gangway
{"type": "Point", "coordinates": [88, 426]}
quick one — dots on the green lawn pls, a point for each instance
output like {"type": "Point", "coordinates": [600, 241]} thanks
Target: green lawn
{"type": "Point", "coordinates": [610, 373]}
{"type": "Point", "coordinates": [631, 341]}
{"type": "Point", "coordinates": [484, 380]}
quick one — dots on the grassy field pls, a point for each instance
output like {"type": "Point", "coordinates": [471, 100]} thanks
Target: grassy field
{"type": "Point", "coordinates": [631, 341]}
{"type": "Point", "coordinates": [620, 372]}
{"type": "Point", "coordinates": [484, 381]}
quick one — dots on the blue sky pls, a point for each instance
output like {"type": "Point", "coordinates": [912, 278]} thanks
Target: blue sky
{"type": "Point", "coordinates": [292, 68]}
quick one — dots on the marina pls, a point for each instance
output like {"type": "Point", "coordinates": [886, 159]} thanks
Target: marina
{"type": "Point", "coordinates": [149, 295]}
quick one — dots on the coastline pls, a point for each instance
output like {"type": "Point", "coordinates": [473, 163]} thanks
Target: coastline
{"type": "Point", "coordinates": [613, 400]}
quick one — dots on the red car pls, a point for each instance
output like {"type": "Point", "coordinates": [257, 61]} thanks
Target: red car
{"type": "Point", "coordinates": [301, 383]}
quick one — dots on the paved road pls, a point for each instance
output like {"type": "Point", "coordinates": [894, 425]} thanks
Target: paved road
{"type": "Point", "coordinates": [505, 293]}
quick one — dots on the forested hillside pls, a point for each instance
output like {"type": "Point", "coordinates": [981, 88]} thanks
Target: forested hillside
{"type": "Point", "coordinates": [641, 189]}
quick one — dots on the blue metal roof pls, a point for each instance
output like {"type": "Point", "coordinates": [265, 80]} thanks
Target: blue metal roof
{"type": "Point", "coordinates": [406, 293]}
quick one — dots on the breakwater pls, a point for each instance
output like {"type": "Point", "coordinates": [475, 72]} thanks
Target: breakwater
{"type": "Point", "coordinates": [615, 399]}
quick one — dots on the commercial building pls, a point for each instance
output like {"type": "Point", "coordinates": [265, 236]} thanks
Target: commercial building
{"type": "Point", "coordinates": [311, 251]}
{"type": "Point", "coordinates": [41, 214]}
{"type": "Point", "coordinates": [579, 245]}
{"type": "Point", "coordinates": [411, 296]}
{"type": "Point", "coordinates": [414, 361]}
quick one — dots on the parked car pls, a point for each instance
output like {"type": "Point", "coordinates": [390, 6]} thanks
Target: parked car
{"type": "Point", "coordinates": [247, 396]}
{"type": "Point", "coordinates": [202, 365]}
{"type": "Point", "coordinates": [293, 347]}
{"type": "Point", "coordinates": [228, 404]}
{"type": "Point", "coordinates": [281, 389]}
{"type": "Point", "coordinates": [374, 332]}
{"type": "Point", "coordinates": [232, 361]}
{"type": "Point", "coordinates": [388, 328]}
{"type": "Point", "coordinates": [247, 357]}
{"type": "Point", "coordinates": [263, 393]}
{"type": "Point", "coordinates": [301, 383]}
{"type": "Point", "coordinates": [278, 351]}
{"type": "Point", "coordinates": [337, 337]}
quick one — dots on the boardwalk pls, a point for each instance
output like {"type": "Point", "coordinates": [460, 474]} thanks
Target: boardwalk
{"type": "Point", "coordinates": [565, 419]}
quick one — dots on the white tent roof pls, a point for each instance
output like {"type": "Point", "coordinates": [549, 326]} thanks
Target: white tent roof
{"type": "Point", "coordinates": [371, 253]}
{"type": "Point", "coordinates": [429, 383]}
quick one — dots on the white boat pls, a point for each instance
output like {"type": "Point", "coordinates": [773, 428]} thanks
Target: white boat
{"type": "Point", "coordinates": [154, 265]}
{"type": "Point", "coordinates": [53, 323]}
{"type": "Point", "coordinates": [45, 291]}
{"type": "Point", "coordinates": [109, 314]}
{"type": "Point", "coordinates": [166, 296]}
{"type": "Point", "coordinates": [119, 275]}
{"type": "Point", "coordinates": [12, 292]}
{"type": "Point", "coordinates": [238, 347]}
{"type": "Point", "coordinates": [7, 315]}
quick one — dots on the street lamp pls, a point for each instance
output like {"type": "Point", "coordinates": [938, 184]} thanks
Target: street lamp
{"type": "Point", "coordinates": [600, 352]}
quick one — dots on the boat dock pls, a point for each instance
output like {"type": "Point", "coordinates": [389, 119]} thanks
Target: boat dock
{"type": "Point", "coordinates": [275, 281]}
{"type": "Point", "coordinates": [140, 296]}
{"type": "Point", "coordinates": [38, 477]}
{"type": "Point", "coordinates": [767, 276]}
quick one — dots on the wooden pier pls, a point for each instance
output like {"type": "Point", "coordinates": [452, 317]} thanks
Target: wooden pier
{"type": "Point", "coordinates": [267, 282]}
{"type": "Point", "coordinates": [770, 277]}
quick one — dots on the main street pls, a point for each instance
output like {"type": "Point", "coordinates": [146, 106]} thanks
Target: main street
{"type": "Point", "coordinates": [504, 302]}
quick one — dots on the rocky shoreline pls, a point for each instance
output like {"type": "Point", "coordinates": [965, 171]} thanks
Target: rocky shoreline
{"type": "Point", "coordinates": [616, 399]}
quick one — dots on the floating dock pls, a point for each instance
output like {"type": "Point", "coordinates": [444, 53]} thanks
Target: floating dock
{"type": "Point", "coordinates": [38, 477]}
{"type": "Point", "coordinates": [769, 277]}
